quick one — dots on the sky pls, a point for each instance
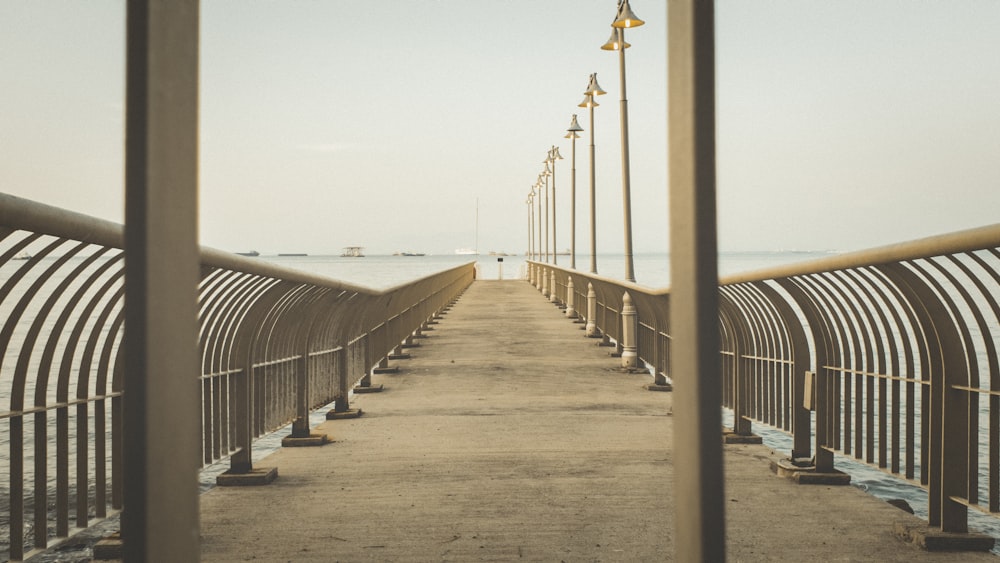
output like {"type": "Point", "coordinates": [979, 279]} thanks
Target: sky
{"type": "Point", "coordinates": [841, 125]}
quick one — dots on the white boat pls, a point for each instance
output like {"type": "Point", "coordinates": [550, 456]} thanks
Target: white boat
{"type": "Point", "coordinates": [353, 252]}
{"type": "Point", "coordinates": [467, 251]}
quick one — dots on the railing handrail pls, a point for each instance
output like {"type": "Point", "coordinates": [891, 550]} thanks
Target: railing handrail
{"type": "Point", "coordinates": [968, 240]}
{"type": "Point", "coordinates": [34, 216]}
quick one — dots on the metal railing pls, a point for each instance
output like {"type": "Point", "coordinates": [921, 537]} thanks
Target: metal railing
{"type": "Point", "coordinates": [888, 356]}
{"type": "Point", "coordinates": [274, 343]}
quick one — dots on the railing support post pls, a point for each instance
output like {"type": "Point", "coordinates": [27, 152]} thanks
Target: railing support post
{"type": "Point", "coordinates": [824, 422]}
{"type": "Point", "coordinates": [553, 296]}
{"type": "Point", "coordinates": [242, 461]}
{"type": "Point", "coordinates": [630, 321]}
{"type": "Point", "coordinates": [545, 283]}
{"type": "Point", "coordinates": [590, 330]}
{"type": "Point", "coordinates": [341, 402]}
{"type": "Point", "coordinates": [341, 405]}
{"type": "Point", "coordinates": [300, 426]}
{"type": "Point", "coordinates": [301, 433]}
{"type": "Point", "coordinates": [570, 299]}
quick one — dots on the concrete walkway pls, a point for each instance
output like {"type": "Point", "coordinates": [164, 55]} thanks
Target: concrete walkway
{"type": "Point", "coordinates": [509, 436]}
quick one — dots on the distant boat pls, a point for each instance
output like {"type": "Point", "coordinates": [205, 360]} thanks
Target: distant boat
{"type": "Point", "coordinates": [251, 253]}
{"type": "Point", "coordinates": [23, 256]}
{"type": "Point", "coordinates": [292, 254]}
{"type": "Point", "coordinates": [412, 254]}
{"type": "Point", "coordinates": [466, 251]}
{"type": "Point", "coordinates": [563, 253]}
{"type": "Point", "coordinates": [352, 252]}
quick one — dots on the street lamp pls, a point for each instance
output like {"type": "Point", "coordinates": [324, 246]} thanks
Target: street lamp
{"type": "Point", "coordinates": [589, 102]}
{"type": "Point", "coordinates": [544, 180]}
{"type": "Point", "coordinates": [531, 225]}
{"type": "Point", "coordinates": [624, 19]}
{"type": "Point", "coordinates": [538, 216]}
{"type": "Point", "coordinates": [552, 158]}
{"type": "Point", "coordinates": [574, 128]}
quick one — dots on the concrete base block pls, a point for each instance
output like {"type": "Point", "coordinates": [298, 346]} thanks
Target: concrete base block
{"type": "Point", "coordinates": [390, 369]}
{"type": "Point", "coordinates": [932, 539]}
{"type": "Point", "coordinates": [254, 478]}
{"type": "Point", "coordinates": [807, 475]}
{"type": "Point", "coordinates": [615, 354]}
{"type": "Point", "coordinates": [604, 344]}
{"type": "Point", "coordinates": [410, 345]}
{"type": "Point", "coordinates": [399, 356]}
{"type": "Point", "coordinates": [109, 548]}
{"type": "Point", "coordinates": [659, 387]}
{"type": "Point", "coordinates": [342, 415]}
{"type": "Point", "coordinates": [420, 336]}
{"type": "Point", "coordinates": [311, 440]}
{"type": "Point", "coordinates": [426, 328]}
{"type": "Point", "coordinates": [368, 389]}
{"type": "Point", "coordinates": [730, 437]}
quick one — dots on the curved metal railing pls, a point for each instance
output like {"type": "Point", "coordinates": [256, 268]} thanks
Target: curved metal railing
{"type": "Point", "coordinates": [273, 343]}
{"type": "Point", "coordinates": [891, 354]}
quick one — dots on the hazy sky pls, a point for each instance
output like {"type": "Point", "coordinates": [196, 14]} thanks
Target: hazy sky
{"type": "Point", "coordinates": [327, 123]}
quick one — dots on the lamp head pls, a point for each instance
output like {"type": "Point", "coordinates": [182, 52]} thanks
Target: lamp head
{"type": "Point", "coordinates": [588, 102]}
{"type": "Point", "coordinates": [593, 88]}
{"type": "Point", "coordinates": [554, 154]}
{"type": "Point", "coordinates": [626, 18]}
{"type": "Point", "coordinates": [547, 172]}
{"type": "Point", "coordinates": [574, 127]}
{"type": "Point", "coordinates": [616, 41]}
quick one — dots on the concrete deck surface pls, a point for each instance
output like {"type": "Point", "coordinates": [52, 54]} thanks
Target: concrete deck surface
{"type": "Point", "coordinates": [510, 437]}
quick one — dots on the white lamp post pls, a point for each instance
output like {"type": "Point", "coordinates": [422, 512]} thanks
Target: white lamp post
{"type": "Point", "coordinates": [574, 128]}
{"type": "Point", "coordinates": [624, 19]}
{"type": "Point", "coordinates": [552, 158]}
{"type": "Point", "coordinates": [589, 102]}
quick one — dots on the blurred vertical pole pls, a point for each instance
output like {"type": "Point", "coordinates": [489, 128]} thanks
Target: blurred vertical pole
{"type": "Point", "coordinates": [694, 311]}
{"type": "Point", "coordinates": [161, 400]}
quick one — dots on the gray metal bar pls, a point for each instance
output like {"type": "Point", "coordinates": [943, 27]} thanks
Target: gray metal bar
{"type": "Point", "coordinates": [694, 314]}
{"type": "Point", "coordinates": [160, 519]}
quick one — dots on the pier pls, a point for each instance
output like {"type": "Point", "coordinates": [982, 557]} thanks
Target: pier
{"type": "Point", "coordinates": [508, 436]}
{"type": "Point", "coordinates": [564, 416]}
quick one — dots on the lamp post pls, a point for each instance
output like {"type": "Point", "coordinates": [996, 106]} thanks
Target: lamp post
{"type": "Point", "coordinates": [552, 158]}
{"type": "Point", "coordinates": [589, 102]}
{"type": "Point", "coordinates": [624, 19]}
{"type": "Point", "coordinates": [574, 128]}
{"type": "Point", "coordinates": [544, 177]}
{"type": "Point", "coordinates": [537, 190]}
{"type": "Point", "coordinates": [531, 226]}
{"type": "Point", "coordinates": [543, 184]}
